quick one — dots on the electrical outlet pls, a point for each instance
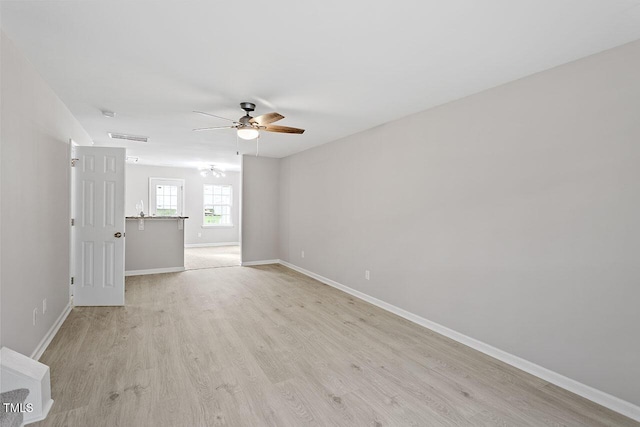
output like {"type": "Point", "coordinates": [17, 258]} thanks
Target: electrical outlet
{"type": "Point", "coordinates": [366, 274]}
{"type": "Point", "coordinates": [44, 306]}
{"type": "Point", "coordinates": [199, 234]}
{"type": "Point", "coordinates": [302, 254]}
{"type": "Point", "coordinates": [35, 316]}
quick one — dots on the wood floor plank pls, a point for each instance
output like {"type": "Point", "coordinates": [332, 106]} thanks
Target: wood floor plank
{"type": "Point", "coordinates": [267, 346]}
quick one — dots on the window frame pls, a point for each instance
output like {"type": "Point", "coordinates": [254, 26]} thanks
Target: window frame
{"type": "Point", "coordinates": [153, 182]}
{"type": "Point", "coordinates": [230, 205]}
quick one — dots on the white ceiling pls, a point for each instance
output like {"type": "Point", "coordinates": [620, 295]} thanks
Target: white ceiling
{"type": "Point", "coordinates": [332, 67]}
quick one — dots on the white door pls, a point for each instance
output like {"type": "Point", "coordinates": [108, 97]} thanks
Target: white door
{"type": "Point", "coordinates": [72, 210]}
{"type": "Point", "coordinates": [99, 226]}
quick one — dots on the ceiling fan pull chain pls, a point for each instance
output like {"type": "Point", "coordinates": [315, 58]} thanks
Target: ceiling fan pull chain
{"type": "Point", "coordinates": [237, 145]}
{"type": "Point", "coordinates": [257, 145]}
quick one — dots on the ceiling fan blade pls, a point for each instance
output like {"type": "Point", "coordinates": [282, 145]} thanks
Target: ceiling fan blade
{"type": "Point", "coordinates": [213, 115]}
{"type": "Point", "coordinates": [282, 129]}
{"type": "Point", "coordinates": [265, 119]}
{"type": "Point", "coordinates": [213, 128]}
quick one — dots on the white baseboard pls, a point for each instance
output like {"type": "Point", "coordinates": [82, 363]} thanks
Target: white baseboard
{"type": "Point", "coordinates": [263, 262]}
{"type": "Point", "coordinates": [608, 401]}
{"type": "Point", "coordinates": [42, 346]}
{"type": "Point", "coordinates": [153, 271]}
{"type": "Point", "coordinates": [208, 245]}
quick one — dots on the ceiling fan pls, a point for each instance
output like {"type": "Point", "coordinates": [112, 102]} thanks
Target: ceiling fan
{"type": "Point", "coordinates": [249, 127]}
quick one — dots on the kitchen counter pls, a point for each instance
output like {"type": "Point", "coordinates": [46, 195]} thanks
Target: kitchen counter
{"type": "Point", "coordinates": [156, 217]}
{"type": "Point", "coordinates": [154, 244]}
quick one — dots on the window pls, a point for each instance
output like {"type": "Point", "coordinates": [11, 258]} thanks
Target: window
{"type": "Point", "coordinates": [166, 200]}
{"type": "Point", "coordinates": [165, 197]}
{"type": "Point", "coordinates": [217, 205]}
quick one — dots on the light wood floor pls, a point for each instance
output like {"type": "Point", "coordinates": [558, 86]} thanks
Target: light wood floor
{"type": "Point", "coordinates": [211, 257]}
{"type": "Point", "coordinates": [266, 346]}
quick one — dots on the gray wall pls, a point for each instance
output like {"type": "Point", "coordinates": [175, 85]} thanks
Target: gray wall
{"type": "Point", "coordinates": [137, 188]}
{"type": "Point", "coordinates": [260, 208]}
{"type": "Point", "coordinates": [36, 127]}
{"type": "Point", "coordinates": [510, 216]}
{"type": "Point", "coordinates": [159, 245]}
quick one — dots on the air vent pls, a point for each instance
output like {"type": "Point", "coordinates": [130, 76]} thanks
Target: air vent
{"type": "Point", "coordinates": [136, 138]}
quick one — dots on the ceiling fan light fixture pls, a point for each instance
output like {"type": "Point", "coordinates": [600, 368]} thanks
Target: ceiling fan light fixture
{"type": "Point", "coordinates": [248, 132]}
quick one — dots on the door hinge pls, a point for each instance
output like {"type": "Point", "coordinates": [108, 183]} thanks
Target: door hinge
{"type": "Point", "coordinates": [72, 279]}
{"type": "Point", "coordinates": [74, 161]}
{"type": "Point", "coordinates": [73, 222]}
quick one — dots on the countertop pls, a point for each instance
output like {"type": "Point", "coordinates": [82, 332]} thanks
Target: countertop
{"type": "Point", "coordinates": [156, 217]}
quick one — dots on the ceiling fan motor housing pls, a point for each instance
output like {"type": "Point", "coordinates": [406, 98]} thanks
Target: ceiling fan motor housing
{"type": "Point", "coordinates": [244, 120]}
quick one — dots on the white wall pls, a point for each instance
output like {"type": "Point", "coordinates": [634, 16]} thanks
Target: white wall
{"type": "Point", "coordinates": [160, 246]}
{"type": "Point", "coordinates": [36, 127]}
{"type": "Point", "coordinates": [137, 188]}
{"type": "Point", "coordinates": [510, 216]}
{"type": "Point", "coordinates": [260, 208]}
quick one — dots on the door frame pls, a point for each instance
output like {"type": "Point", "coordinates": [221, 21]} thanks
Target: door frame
{"type": "Point", "coordinates": [72, 194]}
